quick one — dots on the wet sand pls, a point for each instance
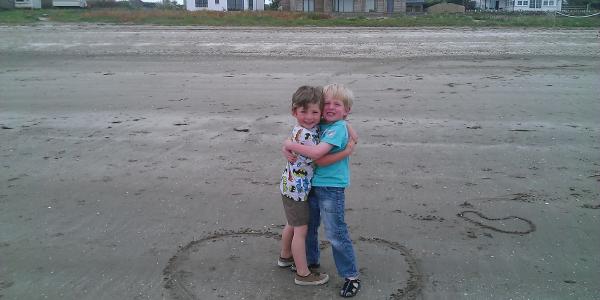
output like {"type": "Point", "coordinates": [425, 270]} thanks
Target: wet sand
{"type": "Point", "coordinates": [142, 162]}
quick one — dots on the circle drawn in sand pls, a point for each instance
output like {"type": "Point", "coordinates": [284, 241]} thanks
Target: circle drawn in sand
{"type": "Point", "coordinates": [529, 223]}
{"type": "Point", "coordinates": [236, 264]}
{"type": "Point", "coordinates": [414, 282]}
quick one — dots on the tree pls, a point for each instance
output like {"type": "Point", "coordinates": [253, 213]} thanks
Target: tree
{"type": "Point", "coordinates": [274, 4]}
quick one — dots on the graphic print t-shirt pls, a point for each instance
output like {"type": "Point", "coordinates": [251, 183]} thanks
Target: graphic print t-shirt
{"type": "Point", "coordinates": [295, 180]}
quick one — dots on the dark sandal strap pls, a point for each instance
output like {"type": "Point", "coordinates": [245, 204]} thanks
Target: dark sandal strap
{"type": "Point", "coordinates": [350, 288]}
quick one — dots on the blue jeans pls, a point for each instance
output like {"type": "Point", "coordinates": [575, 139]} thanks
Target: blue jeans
{"type": "Point", "coordinates": [327, 203]}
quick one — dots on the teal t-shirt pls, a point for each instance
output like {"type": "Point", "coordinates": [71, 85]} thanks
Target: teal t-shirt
{"type": "Point", "coordinates": [336, 174]}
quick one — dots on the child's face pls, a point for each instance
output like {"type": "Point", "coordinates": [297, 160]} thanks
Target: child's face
{"type": "Point", "coordinates": [334, 110]}
{"type": "Point", "coordinates": [309, 116]}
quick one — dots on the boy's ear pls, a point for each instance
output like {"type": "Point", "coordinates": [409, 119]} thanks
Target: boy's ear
{"type": "Point", "coordinates": [347, 112]}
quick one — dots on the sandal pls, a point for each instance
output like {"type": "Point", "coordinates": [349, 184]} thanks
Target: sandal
{"type": "Point", "coordinates": [350, 288]}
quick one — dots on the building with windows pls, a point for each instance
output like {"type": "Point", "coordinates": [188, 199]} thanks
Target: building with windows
{"type": "Point", "coordinates": [28, 3]}
{"type": "Point", "coordinates": [414, 6]}
{"type": "Point", "coordinates": [224, 5]}
{"type": "Point", "coordinates": [69, 3]}
{"type": "Point", "coordinates": [348, 6]}
{"type": "Point", "coordinates": [519, 5]}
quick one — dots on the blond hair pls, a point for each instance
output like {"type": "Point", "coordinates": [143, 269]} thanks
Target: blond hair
{"type": "Point", "coordinates": [339, 92]}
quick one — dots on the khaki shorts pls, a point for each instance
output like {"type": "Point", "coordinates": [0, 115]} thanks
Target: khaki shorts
{"type": "Point", "coordinates": [296, 212]}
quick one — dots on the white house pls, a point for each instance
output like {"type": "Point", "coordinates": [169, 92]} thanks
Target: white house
{"type": "Point", "coordinates": [28, 3]}
{"type": "Point", "coordinates": [519, 5]}
{"type": "Point", "coordinates": [224, 5]}
{"type": "Point", "coordinates": [69, 3]}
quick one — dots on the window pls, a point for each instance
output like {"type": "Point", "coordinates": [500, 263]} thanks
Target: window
{"type": "Point", "coordinates": [201, 3]}
{"type": "Point", "coordinates": [519, 3]}
{"type": "Point", "coordinates": [309, 5]}
{"type": "Point", "coordinates": [235, 5]}
{"type": "Point", "coordinates": [343, 5]}
{"type": "Point", "coordinates": [545, 3]}
{"type": "Point", "coordinates": [216, 1]}
{"type": "Point", "coordinates": [551, 3]}
{"type": "Point", "coordinates": [370, 5]}
{"type": "Point", "coordinates": [535, 3]}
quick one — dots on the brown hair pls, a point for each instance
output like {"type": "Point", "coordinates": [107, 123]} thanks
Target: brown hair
{"type": "Point", "coordinates": [306, 95]}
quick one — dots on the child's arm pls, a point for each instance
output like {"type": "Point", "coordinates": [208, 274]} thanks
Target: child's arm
{"type": "Point", "coordinates": [313, 152]}
{"type": "Point", "coordinates": [331, 158]}
{"type": "Point", "coordinates": [352, 133]}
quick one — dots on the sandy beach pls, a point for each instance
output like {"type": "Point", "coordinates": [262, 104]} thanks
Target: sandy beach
{"type": "Point", "coordinates": [142, 162]}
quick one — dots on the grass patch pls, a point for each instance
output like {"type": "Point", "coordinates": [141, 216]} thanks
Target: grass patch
{"type": "Point", "coordinates": [19, 16]}
{"type": "Point", "coordinates": [280, 19]}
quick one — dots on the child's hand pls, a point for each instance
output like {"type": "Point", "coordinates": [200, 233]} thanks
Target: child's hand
{"type": "Point", "coordinates": [352, 133]}
{"type": "Point", "coordinates": [289, 155]}
{"type": "Point", "coordinates": [350, 146]}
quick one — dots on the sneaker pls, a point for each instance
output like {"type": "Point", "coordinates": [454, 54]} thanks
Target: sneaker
{"type": "Point", "coordinates": [314, 278]}
{"type": "Point", "coordinates": [285, 262]}
{"type": "Point", "coordinates": [350, 288]}
{"type": "Point", "coordinates": [310, 267]}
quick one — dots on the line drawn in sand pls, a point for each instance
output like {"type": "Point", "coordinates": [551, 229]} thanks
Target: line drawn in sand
{"type": "Point", "coordinates": [529, 223]}
{"type": "Point", "coordinates": [174, 279]}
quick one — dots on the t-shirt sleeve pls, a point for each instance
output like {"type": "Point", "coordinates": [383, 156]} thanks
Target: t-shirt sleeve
{"type": "Point", "coordinates": [303, 136]}
{"type": "Point", "coordinates": [335, 135]}
{"type": "Point", "coordinates": [307, 137]}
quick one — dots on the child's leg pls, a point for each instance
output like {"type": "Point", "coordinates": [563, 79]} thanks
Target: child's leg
{"type": "Point", "coordinates": [312, 235]}
{"type": "Point", "coordinates": [286, 241]}
{"type": "Point", "coordinates": [299, 250]}
{"type": "Point", "coordinates": [331, 200]}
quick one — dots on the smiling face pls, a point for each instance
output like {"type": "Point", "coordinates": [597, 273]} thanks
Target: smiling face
{"type": "Point", "coordinates": [334, 109]}
{"type": "Point", "coordinates": [307, 116]}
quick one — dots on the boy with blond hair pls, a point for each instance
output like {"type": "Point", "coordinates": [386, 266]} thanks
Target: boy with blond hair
{"type": "Point", "coordinates": [326, 198]}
